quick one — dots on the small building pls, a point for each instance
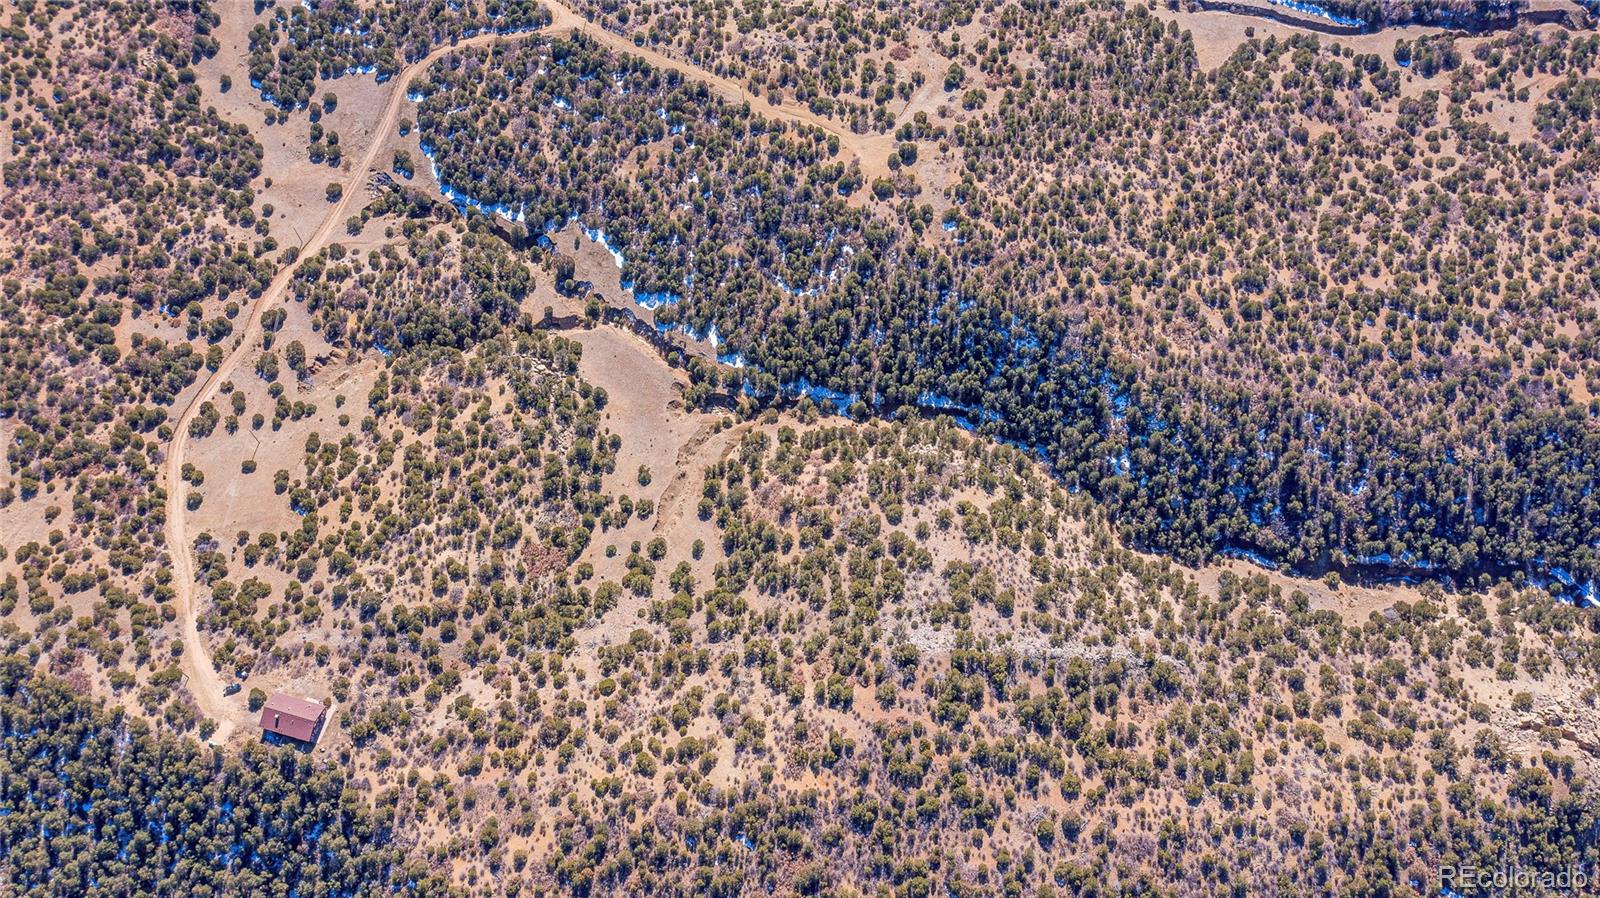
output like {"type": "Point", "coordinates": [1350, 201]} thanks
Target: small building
{"type": "Point", "coordinates": [293, 717]}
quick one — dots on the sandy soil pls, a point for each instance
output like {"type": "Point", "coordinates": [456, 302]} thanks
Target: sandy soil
{"type": "Point", "coordinates": [645, 409]}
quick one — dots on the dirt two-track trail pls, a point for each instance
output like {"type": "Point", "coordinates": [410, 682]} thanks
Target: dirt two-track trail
{"type": "Point", "coordinates": [204, 682]}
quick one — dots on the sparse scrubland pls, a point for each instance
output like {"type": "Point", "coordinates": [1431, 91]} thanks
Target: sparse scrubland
{"type": "Point", "coordinates": [1100, 319]}
{"type": "Point", "coordinates": [1238, 335]}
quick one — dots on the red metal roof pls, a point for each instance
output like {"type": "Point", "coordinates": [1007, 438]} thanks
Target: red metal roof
{"type": "Point", "coordinates": [292, 716]}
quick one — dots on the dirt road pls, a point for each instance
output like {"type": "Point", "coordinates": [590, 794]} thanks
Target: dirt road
{"type": "Point", "coordinates": [565, 20]}
{"type": "Point", "coordinates": [204, 682]}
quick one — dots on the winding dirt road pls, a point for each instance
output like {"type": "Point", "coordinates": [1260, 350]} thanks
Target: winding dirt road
{"type": "Point", "coordinates": [204, 682]}
{"type": "Point", "coordinates": [565, 20]}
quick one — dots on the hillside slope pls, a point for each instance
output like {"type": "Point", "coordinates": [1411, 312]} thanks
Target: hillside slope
{"type": "Point", "coordinates": [559, 509]}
